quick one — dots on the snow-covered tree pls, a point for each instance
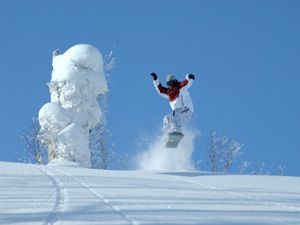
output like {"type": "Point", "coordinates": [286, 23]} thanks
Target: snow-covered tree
{"type": "Point", "coordinates": [102, 149]}
{"type": "Point", "coordinates": [222, 152]}
{"type": "Point", "coordinates": [100, 145]}
{"type": "Point", "coordinates": [36, 151]}
{"type": "Point", "coordinates": [243, 166]}
{"type": "Point", "coordinates": [279, 171]}
{"type": "Point", "coordinates": [263, 169]}
{"type": "Point", "coordinates": [77, 81]}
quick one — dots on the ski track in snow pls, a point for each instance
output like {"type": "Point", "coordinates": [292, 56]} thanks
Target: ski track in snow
{"type": "Point", "coordinates": [58, 209]}
{"type": "Point", "coordinates": [236, 194]}
{"type": "Point", "coordinates": [97, 195]}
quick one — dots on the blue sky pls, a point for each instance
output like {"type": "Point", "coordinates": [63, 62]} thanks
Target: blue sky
{"type": "Point", "coordinates": [245, 55]}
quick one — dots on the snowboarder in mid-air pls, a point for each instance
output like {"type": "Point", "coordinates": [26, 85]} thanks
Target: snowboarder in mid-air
{"type": "Point", "coordinates": [181, 105]}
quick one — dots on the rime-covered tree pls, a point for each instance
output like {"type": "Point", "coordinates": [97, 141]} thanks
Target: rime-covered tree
{"type": "Point", "coordinates": [222, 152]}
{"type": "Point", "coordinates": [100, 145]}
{"type": "Point", "coordinates": [77, 80]}
{"type": "Point", "coordinates": [35, 150]}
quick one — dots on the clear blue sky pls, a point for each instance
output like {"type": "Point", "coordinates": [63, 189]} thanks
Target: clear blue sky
{"type": "Point", "coordinates": [245, 55]}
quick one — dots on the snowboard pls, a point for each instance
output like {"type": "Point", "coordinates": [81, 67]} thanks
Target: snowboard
{"type": "Point", "coordinates": [173, 139]}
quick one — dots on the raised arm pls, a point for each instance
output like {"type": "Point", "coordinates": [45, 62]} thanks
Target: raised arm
{"type": "Point", "coordinates": [161, 90]}
{"type": "Point", "coordinates": [187, 83]}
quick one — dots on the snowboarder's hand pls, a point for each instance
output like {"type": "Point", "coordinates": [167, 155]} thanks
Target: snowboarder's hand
{"type": "Point", "coordinates": [154, 76]}
{"type": "Point", "coordinates": [55, 52]}
{"type": "Point", "coordinates": [191, 76]}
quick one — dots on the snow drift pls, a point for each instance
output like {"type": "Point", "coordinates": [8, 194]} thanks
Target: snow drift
{"type": "Point", "coordinates": [77, 80]}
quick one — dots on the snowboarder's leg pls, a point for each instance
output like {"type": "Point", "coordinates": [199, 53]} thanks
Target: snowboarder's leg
{"type": "Point", "coordinates": [172, 122]}
{"type": "Point", "coordinates": [177, 120]}
{"type": "Point", "coordinates": [181, 117]}
{"type": "Point", "coordinates": [186, 115]}
{"type": "Point", "coordinates": [168, 121]}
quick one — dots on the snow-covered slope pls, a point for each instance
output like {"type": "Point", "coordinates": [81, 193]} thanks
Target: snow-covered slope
{"type": "Point", "coordinates": [69, 195]}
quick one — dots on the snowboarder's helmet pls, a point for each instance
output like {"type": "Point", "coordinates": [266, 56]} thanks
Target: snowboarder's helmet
{"type": "Point", "coordinates": [170, 77]}
{"type": "Point", "coordinates": [171, 80]}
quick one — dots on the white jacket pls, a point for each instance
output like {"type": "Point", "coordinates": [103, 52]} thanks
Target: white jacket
{"type": "Point", "coordinates": [178, 96]}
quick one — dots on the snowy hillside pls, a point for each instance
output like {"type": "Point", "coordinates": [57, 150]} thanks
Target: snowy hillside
{"type": "Point", "coordinates": [70, 195]}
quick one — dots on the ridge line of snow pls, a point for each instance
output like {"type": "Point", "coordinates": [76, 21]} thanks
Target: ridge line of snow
{"type": "Point", "coordinates": [261, 200]}
{"type": "Point", "coordinates": [117, 210]}
{"type": "Point", "coordinates": [59, 204]}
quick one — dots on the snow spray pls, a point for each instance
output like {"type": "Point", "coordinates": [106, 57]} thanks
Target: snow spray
{"type": "Point", "coordinates": [159, 158]}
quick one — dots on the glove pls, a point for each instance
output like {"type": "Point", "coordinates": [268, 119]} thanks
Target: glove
{"type": "Point", "coordinates": [191, 76]}
{"type": "Point", "coordinates": [55, 52]}
{"type": "Point", "coordinates": [154, 76]}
